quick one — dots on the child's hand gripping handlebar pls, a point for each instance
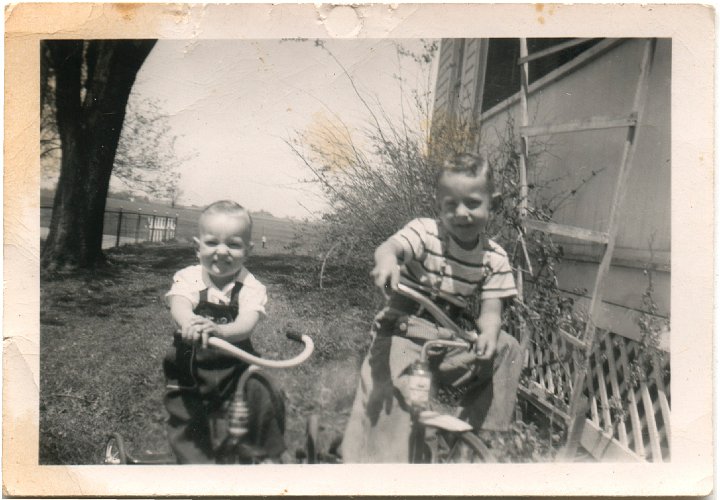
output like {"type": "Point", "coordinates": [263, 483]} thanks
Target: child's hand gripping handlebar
{"type": "Point", "coordinates": [410, 291]}
{"type": "Point", "coordinates": [230, 349]}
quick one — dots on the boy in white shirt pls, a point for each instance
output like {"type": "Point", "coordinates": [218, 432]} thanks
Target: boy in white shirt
{"type": "Point", "coordinates": [217, 297]}
{"type": "Point", "coordinates": [450, 256]}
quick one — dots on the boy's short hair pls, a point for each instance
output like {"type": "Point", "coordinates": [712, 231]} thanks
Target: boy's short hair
{"type": "Point", "coordinates": [228, 207]}
{"type": "Point", "coordinates": [471, 164]}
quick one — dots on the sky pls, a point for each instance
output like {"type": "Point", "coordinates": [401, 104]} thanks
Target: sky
{"type": "Point", "coordinates": [234, 103]}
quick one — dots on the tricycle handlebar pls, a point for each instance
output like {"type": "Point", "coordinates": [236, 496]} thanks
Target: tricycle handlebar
{"type": "Point", "coordinates": [463, 344]}
{"type": "Point", "coordinates": [406, 289]}
{"type": "Point", "coordinates": [293, 335]}
{"type": "Point", "coordinates": [236, 352]}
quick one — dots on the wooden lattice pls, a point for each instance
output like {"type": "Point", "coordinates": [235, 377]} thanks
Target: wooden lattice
{"type": "Point", "coordinates": [629, 403]}
{"type": "Point", "coordinates": [634, 409]}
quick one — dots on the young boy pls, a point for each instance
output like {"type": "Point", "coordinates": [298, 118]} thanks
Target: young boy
{"type": "Point", "coordinates": [449, 257]}
{"type": "Point", "coordinates": [217, 297]}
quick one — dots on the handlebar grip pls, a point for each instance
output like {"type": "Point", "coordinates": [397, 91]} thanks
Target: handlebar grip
{"type": "Point", "coordinates": [293, 335]}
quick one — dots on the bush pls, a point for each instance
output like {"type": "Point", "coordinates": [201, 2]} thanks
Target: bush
{"type": "Point", "coordinates": [373, 184]}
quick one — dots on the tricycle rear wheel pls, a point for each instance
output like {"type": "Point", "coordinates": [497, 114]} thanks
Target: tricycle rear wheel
{"type": "Point", "coordinates": [312, 443]}
{"type": "Point", "coordinates": [115, 453]}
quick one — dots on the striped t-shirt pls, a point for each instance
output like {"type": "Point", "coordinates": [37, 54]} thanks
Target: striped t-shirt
{"type": "Point", "coordinates": [432, 258]}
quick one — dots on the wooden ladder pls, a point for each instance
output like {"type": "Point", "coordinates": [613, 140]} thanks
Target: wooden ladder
{"type": "Point", "coordinates": [578, 403]}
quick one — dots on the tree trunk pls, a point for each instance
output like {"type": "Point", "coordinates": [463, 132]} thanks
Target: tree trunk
{"type": "Point", "coordinates": [89, 120]}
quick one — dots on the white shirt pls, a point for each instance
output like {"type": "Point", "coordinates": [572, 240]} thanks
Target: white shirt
{"type": "Point", "coordinates": [190, 281]}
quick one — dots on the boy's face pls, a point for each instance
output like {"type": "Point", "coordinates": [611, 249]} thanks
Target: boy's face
{"type": "Point", "coordinates": [465, 204]}
{"type": "Point", "coordinates": [223, 244]}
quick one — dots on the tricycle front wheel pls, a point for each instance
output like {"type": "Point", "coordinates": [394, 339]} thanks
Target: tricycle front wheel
{"type": "Point", "coordinates": [461, 447]}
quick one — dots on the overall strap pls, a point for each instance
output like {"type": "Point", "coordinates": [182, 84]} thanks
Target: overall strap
{"type": "Point", "coordinates": [203, 295]}
{"type": "Point", "coordinates": [235, 292]}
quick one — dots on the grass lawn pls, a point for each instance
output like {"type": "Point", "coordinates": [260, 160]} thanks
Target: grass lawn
{"type": "Point", "coordinates": [104, 335]}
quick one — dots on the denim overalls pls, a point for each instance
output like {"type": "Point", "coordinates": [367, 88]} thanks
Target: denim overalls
{"type": "Point", "coordinates": [200, 385]}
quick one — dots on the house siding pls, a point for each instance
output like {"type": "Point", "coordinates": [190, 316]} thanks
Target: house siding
{"type": "Point", "coordinates": [589, 161]}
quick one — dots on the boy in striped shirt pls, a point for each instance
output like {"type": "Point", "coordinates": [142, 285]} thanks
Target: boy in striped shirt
{"type": "Point", "coordinates": [450, 257]}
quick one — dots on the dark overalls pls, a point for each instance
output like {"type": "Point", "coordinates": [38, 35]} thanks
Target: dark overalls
{"type": "Point", "coordinates": [201, 384]}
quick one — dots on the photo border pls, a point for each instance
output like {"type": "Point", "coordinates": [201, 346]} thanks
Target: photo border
{"type": "Point", "coordinates": [691, 28]}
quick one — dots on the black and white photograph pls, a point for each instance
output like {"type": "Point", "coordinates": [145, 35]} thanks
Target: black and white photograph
{"type": "Point", "coordinates": [332, 254]}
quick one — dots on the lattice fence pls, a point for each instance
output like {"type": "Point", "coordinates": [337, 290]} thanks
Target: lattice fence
{"type": "Point", "coordinates": [629, 406]}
